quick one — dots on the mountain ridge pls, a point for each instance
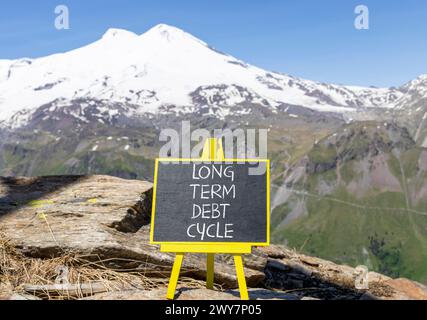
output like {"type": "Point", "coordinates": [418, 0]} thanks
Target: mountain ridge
{"type": "Point", "coordinates": [168, 67]}
{"type": "Point", "coordinates": [101, 238]}
{"type": "Point", "coordinates": [347, 150]}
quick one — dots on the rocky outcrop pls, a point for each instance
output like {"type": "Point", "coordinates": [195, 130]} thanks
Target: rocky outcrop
{"type": "Point", "coordinates": [313, 277]}
{"type": "Point", "coordinates": [357, 183]}
{"type": "Point", "coordinates": [106, 220]}
{"type": "Point", "coordinates": [358, 141]}
{"type": "Point", "coordinates": [194, 294]}
{"type": "Point", "coordinates": [101, 218]}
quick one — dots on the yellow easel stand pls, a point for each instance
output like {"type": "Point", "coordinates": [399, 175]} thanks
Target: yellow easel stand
{"type": "Point", "coordinates": [210, 264]}
{"type": "Point", "coordinates": [238, 261]}
{"type": "Point", "coordinates": [174, 276]}
{"type": "Point", "coordinates": [212, 151]}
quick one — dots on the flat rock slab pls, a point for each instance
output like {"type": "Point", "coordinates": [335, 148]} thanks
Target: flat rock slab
{"type": "Point", "coordinates": [160, 294]}
{"type": "Point", "coordinates": [102, 218]}
{"type": "Point", "coordinates": [107, 218]}
{"type": "Point", "coordinates": [192, 294]}
{"type": "Point", "coordinates": [407, 290]}
{"type": "Point", "coordinates": [289, 270]}
{"type": "Point", "coordinates": [48, 216]}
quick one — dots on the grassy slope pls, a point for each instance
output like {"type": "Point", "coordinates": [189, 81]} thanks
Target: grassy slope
{"type": "Point", "coordinates": [363, 230]}
{"type": "Point", "coordinates": [43, 154]}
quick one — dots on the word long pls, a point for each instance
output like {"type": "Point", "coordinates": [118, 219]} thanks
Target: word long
{"type": "Point", "coordinates": [203, 172]}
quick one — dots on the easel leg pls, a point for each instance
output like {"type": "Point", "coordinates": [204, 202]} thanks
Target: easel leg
{"type": "Point", "coordinates": [210, 270]}
{"type": "Point", "coordinates": [174, 276]}
{"type": "Point", "coordinates": [241, 277]}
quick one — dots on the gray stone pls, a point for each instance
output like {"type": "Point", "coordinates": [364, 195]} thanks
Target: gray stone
{"type": "Point", "coordinates": [100, 217]}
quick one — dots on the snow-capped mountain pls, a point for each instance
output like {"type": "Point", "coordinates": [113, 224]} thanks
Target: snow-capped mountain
{"type": "Point", "coordinates": [165, 68]}
{"type": "Point", "coordinates": [100, 109]}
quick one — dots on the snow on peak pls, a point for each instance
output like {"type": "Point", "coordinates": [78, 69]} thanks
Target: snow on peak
{"type": "Point", "coordinates": [164, 66]}
{"type": "Point", "coordinates": [164, 32]}
{"type": "Point", "coordinates": [114, 33]}
{"type": "Point", "coordinates": [421, 80]}
{"type": "Point", "coordinates": [165, 28]}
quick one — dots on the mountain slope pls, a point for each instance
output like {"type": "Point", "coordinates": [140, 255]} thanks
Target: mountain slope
{"type": "Point", "coordinates": [360, 200]}
{"type": "Point", "coordinates": [345, 187]}
{"type": "Point", "coordinates": [161, 68]}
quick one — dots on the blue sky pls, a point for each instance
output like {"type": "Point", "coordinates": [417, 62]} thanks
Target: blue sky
{"type": "Point", "coordinates": [307, 38]}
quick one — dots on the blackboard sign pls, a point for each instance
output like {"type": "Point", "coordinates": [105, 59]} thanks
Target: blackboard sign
{"type": "Point", "coordinates": [211, 202]}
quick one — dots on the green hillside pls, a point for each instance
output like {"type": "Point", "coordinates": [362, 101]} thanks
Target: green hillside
{"type": "Point", "coordinates": [364, 196]}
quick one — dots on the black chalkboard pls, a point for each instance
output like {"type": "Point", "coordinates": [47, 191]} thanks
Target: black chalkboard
{"type": "Point", "coordinates": [209, 203]}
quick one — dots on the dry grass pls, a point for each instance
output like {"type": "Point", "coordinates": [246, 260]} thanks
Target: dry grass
{"type": "Point", "coordinates": [17, 271]}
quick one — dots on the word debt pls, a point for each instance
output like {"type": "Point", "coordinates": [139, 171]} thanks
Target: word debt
{"type": "Point", "coordinates": [209, 210]}
{"type": "Point", "coordinates": [216, 230]}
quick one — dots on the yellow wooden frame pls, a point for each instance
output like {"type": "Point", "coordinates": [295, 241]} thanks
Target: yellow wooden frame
{"type": "Point", "coordinates": [212, 152]}
{"type": "Point", "coordinates": [173, 243]}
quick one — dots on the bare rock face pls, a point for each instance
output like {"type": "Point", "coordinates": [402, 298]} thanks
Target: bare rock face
{"type": "Point", "coordinates": [293, 272]}
{"type": "Point", "coordinates": [106, 218]}
{"type": "Point", "coordinates": [160, 294]}
{"type": "Point", "coordinates": [408, 290]}
{"type": "Point", "coordinates": [6, 291]}
{"type": "Point", "coordinates": [102, 217]}
{"type": "Point", "coordinates": [193, 294]}
{"type": "Point", "coordinates": [49, 216]}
